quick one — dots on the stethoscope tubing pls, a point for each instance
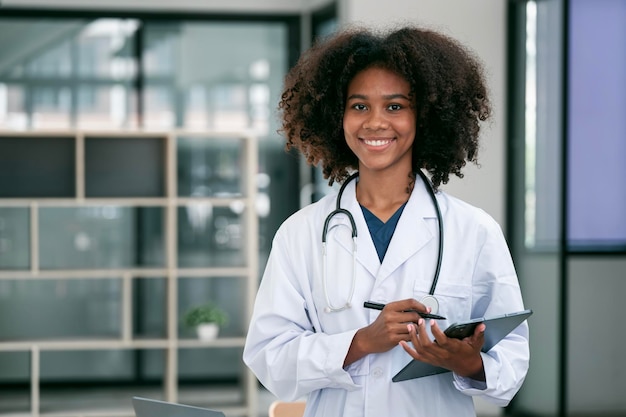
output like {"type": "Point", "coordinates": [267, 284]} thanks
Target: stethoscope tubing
{"type": "Point", "coordinates": [431, 192]}
{"type": "Point", "coordinates": [339, 210]}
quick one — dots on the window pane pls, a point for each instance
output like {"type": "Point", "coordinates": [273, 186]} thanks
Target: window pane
{"type": "Point", "coordinates": [51, 107]}
{"type": "Point", "coordinates": [101, 237]}
{"type": "Point", "coordinates": [54, 60]}
{"type": "Point", "coordinates": [214, 76]}
{"type": "Point", "coordinates": [14, 238]}
{"type": "Point", "coordinates": [41, 309]}
{"type": "Point", "coordinates": [210, 236]}
{"type": "Point", "coordinates": [597, 126]}
{"type": "Point", "coordinates": [105, 49]}
{"type": "Point", "coordinates": [13, 114]}
{"type": "Point", "coordinates": [209, 167]}
{"type": "Point", "coordinates": [62, 73]}
{"type": "Point", "coordinates": [103, 107]}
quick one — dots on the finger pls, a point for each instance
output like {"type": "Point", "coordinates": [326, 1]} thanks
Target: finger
{"type": "Point", "coordinates": [408, 316]}
{"type": "Point", "coordinates": [418, 306]}
{"type": "Point", "coordinates": [480, 329]}
{"type": "Point", "coordinates": [438, 334]}
{"type": "Point", "coordinates": [422, 334]}
{"type": "Point", "coordinates": [478, 338]}
{"type": "Point", "coordinates": [411, 350]}
{"type": "Point", "coordinates": [408, 304]}
{"type": "Point", "coordinates": [412, 330]}
{"type": "Point", "coordinates": [408, 349]}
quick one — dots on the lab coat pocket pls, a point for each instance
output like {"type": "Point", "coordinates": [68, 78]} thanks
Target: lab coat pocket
{"type": "Point", "coordinates": [454, 300]}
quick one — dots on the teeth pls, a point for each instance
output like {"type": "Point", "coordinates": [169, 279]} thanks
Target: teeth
{"type": "Point", "coordinates": [378, 142]}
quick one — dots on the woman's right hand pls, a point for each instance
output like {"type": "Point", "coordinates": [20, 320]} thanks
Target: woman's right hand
{"type": "Point", "coordinates": [389, 328]}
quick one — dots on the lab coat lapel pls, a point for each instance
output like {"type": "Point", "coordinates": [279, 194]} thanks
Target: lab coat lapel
{"type": "Point", "coordinates": [366, 252]}
{"type": "Point", "coordinates": [412, 232]}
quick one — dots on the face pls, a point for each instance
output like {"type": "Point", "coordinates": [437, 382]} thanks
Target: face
{"type": "Point", "coordinates": [379, 121]}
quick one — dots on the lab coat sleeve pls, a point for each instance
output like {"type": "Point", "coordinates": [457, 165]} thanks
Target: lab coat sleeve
{"type": "Point", "coordinates": [284, 347]}
{"type": "Point", "coordinates": [496, 291]}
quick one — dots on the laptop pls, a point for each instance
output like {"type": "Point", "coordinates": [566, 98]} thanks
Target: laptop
{"type": "Point", "coordinates": [145, 407]}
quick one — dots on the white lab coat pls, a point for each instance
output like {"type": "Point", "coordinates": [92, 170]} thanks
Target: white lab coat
{"type": "Point", "coordinates": [296, 349]}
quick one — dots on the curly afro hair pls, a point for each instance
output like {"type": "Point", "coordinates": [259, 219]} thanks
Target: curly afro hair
{"type": "Point", "coordinates": [447, 89]}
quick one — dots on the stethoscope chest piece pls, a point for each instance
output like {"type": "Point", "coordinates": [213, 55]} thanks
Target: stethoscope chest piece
{"type": "Point", "coordinates": [431, 301]}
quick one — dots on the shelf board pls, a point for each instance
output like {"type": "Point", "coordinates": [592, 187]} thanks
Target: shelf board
{"type": "Point", "coordinates": [102, 344]}
{"type": "Point", "coordinates": [121, 273]}
{"type": "Point", "coordinates": [180, 201]}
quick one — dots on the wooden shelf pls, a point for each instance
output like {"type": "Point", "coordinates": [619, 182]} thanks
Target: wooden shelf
{"type": "Point", "coordinates": [94, 154]}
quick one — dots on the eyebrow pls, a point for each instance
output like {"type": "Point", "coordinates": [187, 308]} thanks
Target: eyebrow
{"type": "Point", "coordinates": [386, 97]}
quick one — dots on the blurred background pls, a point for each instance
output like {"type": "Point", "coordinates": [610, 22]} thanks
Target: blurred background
{"type": "Point", "coordinates": [94, 230]}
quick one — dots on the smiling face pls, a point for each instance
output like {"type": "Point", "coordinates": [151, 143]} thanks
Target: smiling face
{"type": "Point", "coordinates": [379, 121]}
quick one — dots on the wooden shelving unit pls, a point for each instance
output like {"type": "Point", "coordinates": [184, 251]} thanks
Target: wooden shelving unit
{"type": "Point", "coordinates": [162, 193]}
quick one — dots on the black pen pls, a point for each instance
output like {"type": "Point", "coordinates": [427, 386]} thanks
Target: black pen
{"type": "Point", "coordinates": [379, 306]}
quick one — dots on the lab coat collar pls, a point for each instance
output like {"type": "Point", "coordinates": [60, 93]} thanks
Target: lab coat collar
{"type": "Point", "coordinates": [411, 233]}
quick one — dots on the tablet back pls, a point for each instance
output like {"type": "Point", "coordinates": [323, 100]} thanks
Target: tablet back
{"type": "Point", "coordinates": [497, 328]}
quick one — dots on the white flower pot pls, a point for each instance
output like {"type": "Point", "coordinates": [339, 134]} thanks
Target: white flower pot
{"type": "Point", "coordinates": [207, 331]}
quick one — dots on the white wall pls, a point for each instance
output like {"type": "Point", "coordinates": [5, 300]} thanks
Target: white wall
{"type": "Point", "coordinates": [481, 25]}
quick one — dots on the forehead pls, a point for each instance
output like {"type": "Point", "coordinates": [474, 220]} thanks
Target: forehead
{"type": "Point", "coordinates": [376, 80]}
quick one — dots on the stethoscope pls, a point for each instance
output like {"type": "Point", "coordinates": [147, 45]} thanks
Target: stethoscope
{"type": "Point", "coordinates": [429, 300]}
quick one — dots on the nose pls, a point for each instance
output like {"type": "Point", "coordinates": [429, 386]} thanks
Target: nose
{"type": "Point", "coordinates": [376, 120]}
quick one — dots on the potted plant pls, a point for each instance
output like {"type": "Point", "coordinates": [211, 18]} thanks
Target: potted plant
{"type": "Point", "coordinates": [206, 319]}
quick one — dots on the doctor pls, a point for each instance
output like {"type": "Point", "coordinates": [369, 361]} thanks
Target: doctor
{"type": "Point", "coordinates": [386, 106]}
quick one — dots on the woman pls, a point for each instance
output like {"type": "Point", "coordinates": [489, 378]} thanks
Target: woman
{"type": "Point", "coordinates": [385, 105]}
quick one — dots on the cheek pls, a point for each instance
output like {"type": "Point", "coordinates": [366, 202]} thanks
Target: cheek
{"type": "Point", "coordinates": [350, 125]}
{"type": "Point", "coordinates": [408, 126]}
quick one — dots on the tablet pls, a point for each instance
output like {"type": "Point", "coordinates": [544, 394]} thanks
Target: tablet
{"type": "Point", "coordinates": [497, 328]}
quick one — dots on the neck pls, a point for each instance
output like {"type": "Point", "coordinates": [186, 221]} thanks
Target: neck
{"type": "Point", "coordinates": [383, 195]}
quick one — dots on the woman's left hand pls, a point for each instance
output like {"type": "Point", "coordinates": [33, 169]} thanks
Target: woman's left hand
{"type": "Point", "coordinates": [460, 356]}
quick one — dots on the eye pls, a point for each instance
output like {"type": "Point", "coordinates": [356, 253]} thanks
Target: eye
{"type": "Point", "coordinates": [394, 107]}
{"type": "Point", "coordinates": [359, 107]}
